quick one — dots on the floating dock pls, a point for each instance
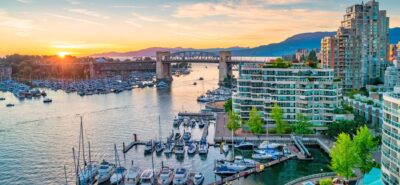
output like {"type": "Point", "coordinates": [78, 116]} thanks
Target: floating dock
{"type": "Point", "coordinates": [203, 115]}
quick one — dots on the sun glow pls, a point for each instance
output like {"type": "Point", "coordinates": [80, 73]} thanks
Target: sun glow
{"type": "Point", "coordinates": [63, 54]}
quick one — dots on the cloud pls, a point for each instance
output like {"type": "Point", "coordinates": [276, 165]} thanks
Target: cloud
{"type": "Point", "coordinates": [24, 1]}
{"type": "Point", "coordinates": [88, 13]}
{"type": "Point", "coordinates": [77, 45]}
{"type": "Point", "coordinates": [134, 24]}
{"type": "Point", "coordinates": [20, 27]}
{"type": "Point", "coordinates": [75, 19]}
{"type": "Point", "coordinates": [73, 2]}
{"type": "Point", "coordinates": [127, 6]}
{"type": "Point", "coordinates": [147, 18]}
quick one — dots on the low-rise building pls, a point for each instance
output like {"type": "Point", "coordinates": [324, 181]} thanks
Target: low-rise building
{"type": "Point", "coordinates": [367, 107]}
{"type": "Point", "coordinates": [312, 92]}
{"type": "Point", "coordinates": [5, 73]}
{"type": "Point", "coordinates": [391, 138]}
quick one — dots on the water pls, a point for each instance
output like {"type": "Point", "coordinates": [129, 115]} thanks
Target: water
{"type": "Point", "coordinates": [36, 139]}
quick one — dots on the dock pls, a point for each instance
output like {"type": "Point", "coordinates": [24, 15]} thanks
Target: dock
{"type": "Point", "coordinates": [251, 171]}
{"type": "Point", "coordinates": [203, 115]}
{"type": "Point", "coordinates": [135, 142]}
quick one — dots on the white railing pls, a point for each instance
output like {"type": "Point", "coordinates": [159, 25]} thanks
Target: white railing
{"type": "Point", "coordinates": [314, 176]}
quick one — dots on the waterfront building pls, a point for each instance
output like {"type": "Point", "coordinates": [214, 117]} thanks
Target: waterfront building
{"type": "Point", "coordinates": [367, 107]}
{"type": "Point", "coordinates": [392, 77]}
{"type": "Point", "coordinates": [5, 73]}
{"type": "Point", "coordinates": [359, 51]}
{"type": "Point", "coordinates": [296, 88]}
{"type": "Point", "coordinates": [391, 138]}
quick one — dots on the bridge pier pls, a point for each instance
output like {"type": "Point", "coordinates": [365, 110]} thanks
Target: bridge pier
{"type": "Point", "coordinates": [163, 70]}
{"type": "Point", "coordinates": [225, 69]}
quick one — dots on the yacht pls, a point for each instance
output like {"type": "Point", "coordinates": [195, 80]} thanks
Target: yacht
{"type": "Point", "coordinates": [88, 174]}
{"type": "Point", "coordinates": [203, 147]}
{"type": "Point", "coordinates": [267, 144]}
{"type": "Point", "coordinates": [234, 166]}
{"type": "Point", "coordinates": [147, 177]}
{"type": "Point", "coordinates": [118, 176]}
{"type": "Point", "coordinates": [166, 176]}
{"type": "Point", "coordinates": [2, 98]}
{"type": "Point", "coordinates": [47, 100]}
{"type": "Point", "coordinates": [244, 146]}
{"type": "Point", "coordinates": [249, 163]}
{"type": "Point", "coordinates": [192, 148]}
{"type": "Point", "coordinates": [179, 150]}
{"type": "Point", "coordinates": [105, 171]}
{"type": "Point", "coordinates": [159, 147]}
{"type": "Point", "coordinates": [133, 176]}
{"type": "Point", "coordinates": [186, 136]}
{"type": "Point", "coordinates": [261, 156]}
{"type": "Point", "coordinates": [198, 178]}
{"type": "Point", "coordinates": [223, 170]}
{"type": "Point", "coordinates": [181, 176]}
{"type": "Point", "coordinates": [10, 105]}
{"type": "Point", "coordinates": [149, 147]}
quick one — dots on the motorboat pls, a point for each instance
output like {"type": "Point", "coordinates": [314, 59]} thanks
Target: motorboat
{"type": "Point", "coordinates": [192, 148]}
{"type": "Point", "coordinates": [198, 178]}
{"type": "Point", "coordinates": [147, 177]}
{"type": "Point", "coordinates": [223, 170]}
{"type": "Point", "coordinates": [166, 176]}
{"type": "Point", "coordinates": [169, 148]}
{"type": "Point", "coordinates": [201, 78]}
{"type": "Point", "coordinates": [181, 176]}
{"type": "Point", "coordinates": [194, 83]}
{"type": "Point", "coordinates": [133, 176]}
{"type": "Point", "coordinates": [176, 122]}
{"type": "Point", "coordinates": [244, 146]}
{"type": "Point", "coordinates": [201, 124]}
{"type": "Point", "coordinates": [267, 144]}
{"type": "Point", "coordinates": [47, 100]}
{"type": "Point", "coordinates": [186, 136]}
{"type": "Point", "coordinates": [10, 105]}
{"type": "Point", "coordinates": [179, 150]}
{"type": "Point", "coordinates": [149, 147]}
{"type": "Point", "coordinates": [105, 171]}
{"type": "Point", "coordinates": [203, 147]}
{"type": "Point", "coordinates": [162, 85]}
{"type": "Point", "coordinates": [2, 98]}
{"type": "Point", "coordinates": [234, 166]}
{"type": "Point", "coordinates": [249, 163]}
{"type": "Point", "coordinates": [262, 156]}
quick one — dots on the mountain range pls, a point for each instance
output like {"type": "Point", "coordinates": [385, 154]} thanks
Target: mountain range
{"type": "Point", "coordinates": [288, 46]}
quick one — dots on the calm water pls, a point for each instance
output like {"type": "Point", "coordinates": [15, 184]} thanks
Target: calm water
{"type": "Point", "coordinates": [36, 139]}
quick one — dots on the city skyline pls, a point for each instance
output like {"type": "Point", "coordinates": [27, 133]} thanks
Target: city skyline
{"type": "Point", "coordinates": [80, 27]}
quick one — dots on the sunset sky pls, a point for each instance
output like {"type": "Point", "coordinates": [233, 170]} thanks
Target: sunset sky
{"type": "Point", "coordinates": [82, 27]}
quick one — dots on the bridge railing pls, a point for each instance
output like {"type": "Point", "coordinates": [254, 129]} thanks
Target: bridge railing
{"type": "Point", "coordinates": [309, 177]}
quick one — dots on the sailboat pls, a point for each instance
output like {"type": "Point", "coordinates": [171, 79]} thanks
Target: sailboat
{"type": "Point", "coordinates": [159, 145]}
{"type": "Point", "coordinates": [88, 173]}
{"type": "Point", "coordinates": [120, 172]}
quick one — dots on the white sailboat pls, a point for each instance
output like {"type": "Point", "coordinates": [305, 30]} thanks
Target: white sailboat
{"type": "Point", "coordinates": [120, 172]}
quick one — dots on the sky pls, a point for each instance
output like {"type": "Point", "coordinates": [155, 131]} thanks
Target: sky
{"type": "Point", "coordinates": [83, 27]}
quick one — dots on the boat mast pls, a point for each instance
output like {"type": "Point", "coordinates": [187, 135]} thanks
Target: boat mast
{"type": "Point", "coordinates": [76, 168]}
{"type": "Point", "coordinates": [159, 127]}
{"type": "Point", "coordinates": [152, 162]}
{"type": "Point", "coordinates": [83, 144]}
{"type": "Point", "coordinates": [65, 174]}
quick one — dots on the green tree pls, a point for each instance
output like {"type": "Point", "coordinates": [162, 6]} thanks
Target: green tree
{"type": "Point", "coordinates": [312, 56]}
{"type": "Point", "coordinates": [233, 121]}
{"type": "Point", "coordinates": [343, 156]}
{"type": "Point", "coordinates": [364, 144]}
{"type": "Point", "coordinates": [342, 126]}
{"type": "Point", "coordinates": [302, 125]}
{"type": "Point", "coordinates": [326, 181]}
{"type": "Point", "coordinates": [255, 122]}
{"type": "Point", "coordinates": [277, 116]}
{"type": "Point", "coordinates": [228, 105]}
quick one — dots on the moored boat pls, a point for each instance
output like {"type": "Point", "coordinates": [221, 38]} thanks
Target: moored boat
{"type": "Point", "coordinates": [181, 176]}
{"type": "Point", "coordinates": [105, 171]}
{"type": "Point", "coordinates": [244, 146]}
{"type": "Point", "coordinates": [133, 176]}
{"type": "Point", "coordinates": [166, 176]}
{"type": "Point", "coordinates": [147, 177]}
{"type": "Point", "coordinates": [198, 178]}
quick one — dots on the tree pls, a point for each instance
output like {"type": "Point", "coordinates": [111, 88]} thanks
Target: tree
{"type": "Point", "coordinates": [364, 144]}
{"type": "Point", "coordinates": [255, 122]}
{"type": "Point", "coordinates": [277, 116]}
{"type": "Point", "coordinates": [312, 56]}
{"type": "Point", "coordinates": [343, 156]}
{"type": "Point", "coordinates": [326, 181]}
{"type": "Point", "coordinates": [233, 121]}
{"type": "Point", "coordinates": [228, 105]}
{"type": "Point", "coordinates": [342, 126]}
{"type": "Point", "coordinates": [302, 125]}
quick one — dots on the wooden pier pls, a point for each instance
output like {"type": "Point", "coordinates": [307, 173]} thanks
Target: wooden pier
{"type": "Point", "coordinates": [135, 142]}
{"type": "Point", "coordinates": [258, 169]}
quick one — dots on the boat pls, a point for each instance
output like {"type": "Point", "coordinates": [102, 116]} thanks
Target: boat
{"type": "Point", "coordinates": [181, 176]}
{"type": "Point", "coordinates": [203, 147]}
{"type": "Point", "coordinates": [162, 85]}
{"type": "Point", "coordinates": [10, 105]}
{"type": "Point", "coordinates": [194, 83]}
{"type": "Point", "coordinates": [159, 147]}
{"type": "Point", "coordinates": [225, 148]}
{"type": "Point", "coordinates": [201, 78]}
{"type": "Point", "coordinates": [244, 146]}
{"type": "Point", "coordinates": [267, 144]}
{"type": "Point", "coordinates": [234, 166]}
{"type": "Point", "coordinates": [198, 178]}
{"type": "Point", "coordinates": [261, 156]}
{"type": "Point", "coordinates": [47, 100]}
{"type": "Point", "coordinates": [133, 176]}
{"type": "Point", "coordinates": [223, 170]}
{"type": "Point", "coordinates": [2, 98]}
{"type": "Point", "coordinates": [179, 150]}
{"type": "Point", "coordinates": [177, 136]}
{"type": "Point", "coordinates": [120, 171]}
{"type": "Point", "coordinates": [149, 147]}
{"type": "Point", "coordinates": [169, 148]}
{"type": "Point", "coordinates": [105, 171]}
{"type": "Point", "coordinates": [249, 163]}
{"type": "Point", "coordinates": [186, 136]}
{"type": "Point", "coordinates": [201, 123]}
{"type": "Point", "coordinates": [192, 148]}
{"type": "Point", "coordinates": [179, 143]}
{"type": "Point", "coordinates": [43, 93]}
{"type": "Point", "coordinates": [147, 177]}
{"type": "Point", "coordinates": [176, 122]}
{"type": "Point", "coordinates": [166, 176]}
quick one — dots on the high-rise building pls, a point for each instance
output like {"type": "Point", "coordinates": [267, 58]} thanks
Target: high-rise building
{"type": "Point", "coordinates": [301, 54]}
{"type": "Point", "coordinates": [359, 51]}
{"type": "Point", "coordinates": [391, 138]}
{"type": "Point", "coordinates": [392, 77]}
{"type": "Point", "coordinates": [312, 92]}
{"type": "Point", "coordinates": [393, 52]}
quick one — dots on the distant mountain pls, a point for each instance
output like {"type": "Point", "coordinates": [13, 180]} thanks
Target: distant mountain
{"type": "Point", "coordinates": [288, 46]}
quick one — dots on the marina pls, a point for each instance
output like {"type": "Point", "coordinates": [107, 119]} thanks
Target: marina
{"type": "Point", "coordinates": [108, 123]}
